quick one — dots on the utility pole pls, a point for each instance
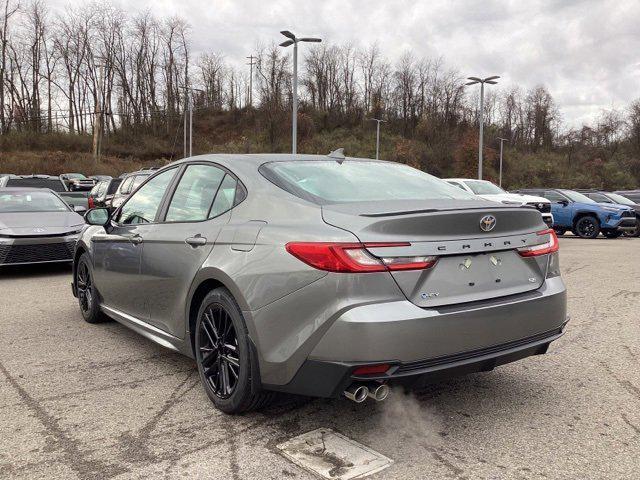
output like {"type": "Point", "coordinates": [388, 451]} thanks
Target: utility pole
{"type": "Point", "coordinates": [293, 40]}
{"type": "Point", "coordinates": [491, 81]}
{"type": "Point", "coordinates": [97, 123]}
{"type": "Point", "coordinates": [251, 64]}
{"type": "Point", "coordinates": [378, 122]}
{"type": "Point", "coordinates": [502, 140]}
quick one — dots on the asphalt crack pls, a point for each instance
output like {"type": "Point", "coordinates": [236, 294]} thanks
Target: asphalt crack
{"type": "Point", "coordinates": [74, 456]}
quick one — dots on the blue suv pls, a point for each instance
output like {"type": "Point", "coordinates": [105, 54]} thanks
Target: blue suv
{"type": "Point", "coordinates": [583, 216]}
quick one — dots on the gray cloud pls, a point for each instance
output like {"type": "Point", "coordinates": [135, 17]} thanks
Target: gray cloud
{"type": "Point", "coordinates": [584, 51]}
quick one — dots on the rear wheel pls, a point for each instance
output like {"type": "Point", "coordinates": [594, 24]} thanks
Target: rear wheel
{"type": "Point", "coordinates": [587, 227]}
{"type": "Point", "coordinates": [87, 293]}
{"type": "Point", "coordinates": [634, 233]}
{"type": "Point", "coordinates": [612, 233]}
{"type": "Point", "coordinates": [226, 362]}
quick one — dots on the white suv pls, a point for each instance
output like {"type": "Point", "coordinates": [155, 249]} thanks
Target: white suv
{"type": "Point", "coordinates": [490, 191]}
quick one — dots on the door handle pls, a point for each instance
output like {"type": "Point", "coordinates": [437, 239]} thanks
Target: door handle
{"type": "Point", "coordinates": [196, 241]}
{"type": "Point", "coordinates": [135, 239]}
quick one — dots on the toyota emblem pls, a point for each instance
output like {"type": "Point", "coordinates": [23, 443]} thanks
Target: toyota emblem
{"type": "Point", "coordinates": [487, 223]}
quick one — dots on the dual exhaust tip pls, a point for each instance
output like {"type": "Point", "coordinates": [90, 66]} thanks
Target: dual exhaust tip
{"type": "Point", "coordinates": [359, 392]}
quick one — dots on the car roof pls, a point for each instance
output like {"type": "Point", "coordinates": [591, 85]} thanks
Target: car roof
{"type": "Point", "coordinates": [24, 189]}
{"type": "Point", "coordinates": [44, 177]}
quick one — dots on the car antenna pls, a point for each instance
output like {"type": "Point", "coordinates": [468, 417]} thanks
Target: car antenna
{"type": "Point", "coordinates": [338, 155]}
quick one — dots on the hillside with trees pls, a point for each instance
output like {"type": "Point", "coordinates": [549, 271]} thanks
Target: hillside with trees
{"type": "Point", "coordinates": [61, 71]}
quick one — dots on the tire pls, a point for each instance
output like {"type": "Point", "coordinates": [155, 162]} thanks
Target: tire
{"type": "Point", "coordinates": [587, 227]}
{"type": "Point", "coordinates": [560, 231]}
{"type": "Point", "coordinates": [635, 233]}
{"type": "Point", "coordinates": [87, 293]}
{"type": "Point", "coordinates": [224, 355]}
{"type": "Point", "coordinates": [612, 233]}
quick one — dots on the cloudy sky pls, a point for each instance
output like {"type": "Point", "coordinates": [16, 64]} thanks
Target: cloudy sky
{"type": "Point", "coordinates": [586, 52]}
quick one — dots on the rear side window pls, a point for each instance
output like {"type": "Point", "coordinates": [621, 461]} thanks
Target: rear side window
{"type": "Point", "coordinates": [553, 196]}
{"type": "Point", "coordinates": [126, 185]}
{"type": "Point", "coordinates": [194, 194]}
{"type": "Point", "coordinates": [142, 206]}
{"type": "Point", "coordinates": [324, 181]}
{"type": "Point", "coordinates": [225, 198]}
{"type": "Point", "coordinates": [137, 181]}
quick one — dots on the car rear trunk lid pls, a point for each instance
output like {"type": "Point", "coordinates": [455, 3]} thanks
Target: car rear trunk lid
{"type": "Point", "coordinates": [472, 264]}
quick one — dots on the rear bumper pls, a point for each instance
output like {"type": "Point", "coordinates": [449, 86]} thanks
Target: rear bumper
{"type": "Point", "coordinates": [422, 341]}
{"type": "Point", "coordinates": [330, 379]}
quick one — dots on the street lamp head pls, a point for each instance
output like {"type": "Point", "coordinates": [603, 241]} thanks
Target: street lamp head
{"type": "Point", "coordinates": [475, 79]}
{"type": "Point", "coordinates": [494, 77]}
{"type": "Point", "coordinates": [288, 34]}
{"type": "Point", "coordinates": [287, 43]}
{"type": "Point", "coordinates": [310, 39]}
{"type": "Point", "coordinates": [471, 83]}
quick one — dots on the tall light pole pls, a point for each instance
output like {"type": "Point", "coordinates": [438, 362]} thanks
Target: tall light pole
{"type": "Point", "coordinates": [378, 122]}
{"type": "Point", "coordinates": [293, 40]}
{"type": "Point", "coordinates": [97, 123]}
{"type": "Point", "coordinates": [251, 63]}
{"type": "Point", "coordinates": [502, 140]}
{"type": "Point", "coordinates": [481, 81]}
{"type": "Point", "coordinates": [189, 104]}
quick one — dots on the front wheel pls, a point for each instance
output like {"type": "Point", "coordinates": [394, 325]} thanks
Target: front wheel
{"type": "Point", "coordinates": [587, 227]}
{"type": "Point", "coordinates": [87, 293]}
{"type": "Point", "coordinates": [226, 363]}
{"type": "Point", "coordinates": [634, 233]}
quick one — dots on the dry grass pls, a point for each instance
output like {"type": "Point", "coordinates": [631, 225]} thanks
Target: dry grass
{"type": "Point", "coordinates": [55, 163]}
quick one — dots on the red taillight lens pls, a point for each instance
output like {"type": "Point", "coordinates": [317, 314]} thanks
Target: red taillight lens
{"type": "Point", "coordinates": [544, 248]}
{"type": "Point", "coordinates": [371, 369]}
{"type": "Point", "coordinates": [354, 257]}
{"type": "Point", "coordinates": [90, 202]}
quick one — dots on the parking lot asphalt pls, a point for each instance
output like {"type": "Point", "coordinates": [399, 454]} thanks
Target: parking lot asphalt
{"type": "Point", "coordinates": [99, 401]}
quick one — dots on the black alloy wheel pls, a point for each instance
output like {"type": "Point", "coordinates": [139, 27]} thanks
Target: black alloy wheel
{"type": "Point", "coordinates": [226, 358]}
{"type": "Point", "coordinates": [85, 287]}
{"type": "Point", "coordinates": [87, 292]}
{"type": "Point", "coordinates": [587, 227]}
{"type": "Point", "coordinates": [218, 351]}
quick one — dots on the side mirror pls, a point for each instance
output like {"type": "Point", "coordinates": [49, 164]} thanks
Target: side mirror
{"type": "Point", "coordinates": [564, 203]}
{"type": "Point", "coordinates": [97, 216]}
{"type": "Point", "coordinates": [79, 208]}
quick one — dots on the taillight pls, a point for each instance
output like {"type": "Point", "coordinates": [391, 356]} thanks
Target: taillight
{"type": "Point", "coordinates": [544, 248]}
{"type": "Point", "coordinates": [372, 369]}
{"type": "Point", "coordinates": [354, 257]}
{"type": "Point", "coordinates": [90, 202]}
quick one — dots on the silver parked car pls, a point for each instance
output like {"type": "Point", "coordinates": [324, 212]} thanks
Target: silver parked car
{"type": "Point", "coordinates": [36, 226]}
{"type": "Point", "coordinates": [321, 276]}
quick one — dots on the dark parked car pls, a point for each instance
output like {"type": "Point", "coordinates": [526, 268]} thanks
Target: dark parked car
{"type": "Point", "coordinates": [54, 183]}
{"type": "Point", "coordinates": [633, 195]}
{"type": "Point", "coordinates": [320, 277]}
{"type": "Point", "coordinates": [102, 194]}
{"type": "Point", "coordinates": [36, 226]}
{"type": "Point", "coordinates": [584, 217]}
{"type": "Point", "coordinates": [77, 181]}
{"type": "Point", "coordinates": [128, 183]}
{"type": "Point", "coordinates": [608, 198]}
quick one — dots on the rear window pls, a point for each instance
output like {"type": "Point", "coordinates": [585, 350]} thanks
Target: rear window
{"type": "Point", "coordinates": [325, 181]}
{"type": "Point", "coordinates": [53, 183]}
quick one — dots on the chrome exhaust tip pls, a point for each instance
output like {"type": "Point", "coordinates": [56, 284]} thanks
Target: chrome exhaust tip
{"type": "Point", "coordinates": [357, 393]}
{"type": "Point", "coordinates": [378, 391]}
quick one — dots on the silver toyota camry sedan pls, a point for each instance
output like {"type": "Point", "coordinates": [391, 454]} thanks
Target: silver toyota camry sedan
{"type": "Point", "coordinates": [321, 275]}
{"type": "Point", "coordinates": [36, 226]}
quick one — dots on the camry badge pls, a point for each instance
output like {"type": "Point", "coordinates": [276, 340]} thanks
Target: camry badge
{"type": "Point", "coordinates": [487, 223]}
